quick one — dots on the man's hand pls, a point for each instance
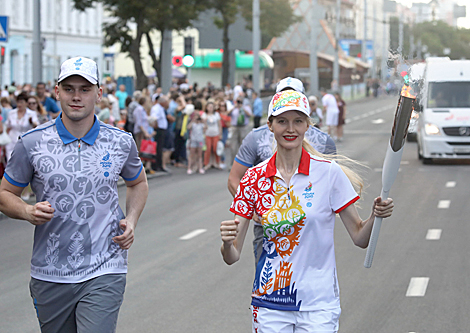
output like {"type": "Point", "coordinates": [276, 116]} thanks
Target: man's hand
{"type": "Point", "coordinates": [40, 213]}
{"type": "Point", "coordinates": [229, 231]}
{"type": "Point", "coordinates": [127, 238]}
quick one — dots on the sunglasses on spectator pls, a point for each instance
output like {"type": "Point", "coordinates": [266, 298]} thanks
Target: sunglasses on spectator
{"type": "Point", "coordinates": [32, 103]}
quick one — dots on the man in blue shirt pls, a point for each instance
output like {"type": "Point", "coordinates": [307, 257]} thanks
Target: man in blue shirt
{"type": "Point", "coordinates": [81, 238]}
{"type": "Point", "coordinates": [257, 109]}
{"type": "Point", "coordinates": [49, 103]}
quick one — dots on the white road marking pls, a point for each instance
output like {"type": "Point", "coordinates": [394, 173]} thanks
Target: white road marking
{"type": "Point", "coordinates": [443, 204]}
{"type": "Point", "coordinates": [417, 287]}
{"type": "Point", "coordinates": [405, 162]}
{"type": "Point", "coordinates": [451, 184]}
{"type": "Point", "coordinates": [193, 234]}
{"type": "Point", "coordinates": [378, 121]}
{"type": "Point", "coordinates": [434, 234]}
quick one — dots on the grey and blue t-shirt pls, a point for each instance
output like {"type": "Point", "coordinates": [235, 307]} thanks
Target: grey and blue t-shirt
{"type": "Point", "coordinates": [78, 177]}
{"type": "Point", "coordinates": [259, 143]}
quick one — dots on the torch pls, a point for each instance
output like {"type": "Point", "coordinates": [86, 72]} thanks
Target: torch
{"type": "Point", "coordinates": [392, 157]}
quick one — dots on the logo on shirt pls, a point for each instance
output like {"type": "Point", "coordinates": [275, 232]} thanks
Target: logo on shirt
{"type": "Point", "coordinates": [308, 194]}
{"type": "Point", "coordinates": [106, 164]}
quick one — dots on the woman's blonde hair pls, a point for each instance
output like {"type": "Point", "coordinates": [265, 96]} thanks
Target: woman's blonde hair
{"type": "Point", "coordinates": [349, 166]}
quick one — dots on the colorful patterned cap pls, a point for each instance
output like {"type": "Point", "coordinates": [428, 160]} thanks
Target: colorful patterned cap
{"type": "Point", "coordinates": [288, 100]}
{"type": "Point", "coordinates": [82, 66]}
{"type": "Point", "coordinates": [292, 83]}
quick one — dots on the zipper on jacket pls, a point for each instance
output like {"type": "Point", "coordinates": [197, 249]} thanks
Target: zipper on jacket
{"type": "Point", "coordinates": [79, 161]}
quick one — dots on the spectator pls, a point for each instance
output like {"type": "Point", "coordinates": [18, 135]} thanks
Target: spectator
{"type": "Point", "coordinates": [104, 114]}
{"type": "Point", "coordinates": [257, 109]}
{"type": "Point", "coordinates": [141, 126]}
{"type": "Point", "coordinates": [49, 103]}
{"type": "Point", "coordinates": [196, 129]}
{"type": "Point", "coordinates": [180, 139]}
{"type": "Point", "coordinates": [315, 112]}
{"type": "Point", "coordinates": [121, 95]}
{"type": "Point", "coordinates": [114, 107]}
{"type": "Point", "coordinates": [330, 107]}
{"type": "Point", "coordinates": [35, 105]}
{"type": "Point", "coordinates": [161, 125]}
{"type": "Point", "coordinates": [212, 134]}
{"type": "Point", "coordinates": [6, 107]}
{"type": "Point", "coordinates": [240, 116]}
{"type": "Point", "coordinates": [130, 111]}
{"type": "Point", "coordinates": [341, 115]}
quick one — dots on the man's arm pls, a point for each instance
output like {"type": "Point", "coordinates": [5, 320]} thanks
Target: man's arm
{"type": "Point", "coordinates": [14, 207]}
{"type": "Point", "coordinates": [136, 197]}
{"type": "Point", "coordinates": [236, 174]}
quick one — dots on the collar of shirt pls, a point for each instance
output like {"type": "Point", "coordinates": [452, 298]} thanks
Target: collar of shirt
{"type": "Point", "coordinates": [67, 138]}
{"type": "Point", "coordinates": [304, 165]}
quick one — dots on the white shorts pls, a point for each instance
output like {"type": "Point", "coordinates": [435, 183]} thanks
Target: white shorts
{"type": "Point", "coordinates": [332, 118]}
{"type": "Point", "coordinates": [276, 321]}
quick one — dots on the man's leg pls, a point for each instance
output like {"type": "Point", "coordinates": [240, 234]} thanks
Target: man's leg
{"type": "Point", "coordinates": [160, 140]}
{"type": "Point", "coordinates": [258, 236]}
{"type": "Point", "coordinates": [55, 305]}
{"type": "Point", "coordinates": [98, 308]}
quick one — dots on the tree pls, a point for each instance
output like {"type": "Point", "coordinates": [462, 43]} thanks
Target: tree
{"type": "Point", "coordinates": [438, 36]}
{"type": "Point", "coordinates": [146, 15]}
{"type": "Point", "coordinates": [276, 16]}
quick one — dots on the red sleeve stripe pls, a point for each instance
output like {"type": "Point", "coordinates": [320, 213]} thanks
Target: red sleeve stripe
{"type": "Point", "coordinates": [239, 214]}
{"type": "Point", "coordinates": [348, 204]}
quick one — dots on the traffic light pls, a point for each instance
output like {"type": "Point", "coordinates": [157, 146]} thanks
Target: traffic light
{"type": "Point", "coordinates": [188, 59]}
{"type": "Point", "coordinates": [2, 55]}
{"type": "Point", "coordinates": [177, 61]}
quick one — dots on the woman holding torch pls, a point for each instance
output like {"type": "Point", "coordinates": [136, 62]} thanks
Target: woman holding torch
{"type": "Point", "coordinates": [297, 193]}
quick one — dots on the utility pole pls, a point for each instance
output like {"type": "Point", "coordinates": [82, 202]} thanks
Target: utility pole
{"type": "Point", "coordinates": [37, 45]}
{"type": "Point", "coordinates": [166, 61]}
{"type": "Point", "coordinates": [256, 45]}
{"type": "Point", "coordinates": [385, 45]}
{"type": "Point", "coordinates": [313, 50]}
{"type": "Point", "coordinates": [336, 68]}
{"type": "Point", "coordinates": [364, 47]}
{"type": "Point", "coordinates": [374, 40]}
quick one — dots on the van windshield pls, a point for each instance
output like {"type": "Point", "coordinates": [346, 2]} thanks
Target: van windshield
{"type": "Point", "coordinates": [449, 95]}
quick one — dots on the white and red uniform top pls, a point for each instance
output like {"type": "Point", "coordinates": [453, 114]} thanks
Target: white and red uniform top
{"type": "Point", "coordinates": [297, 269]}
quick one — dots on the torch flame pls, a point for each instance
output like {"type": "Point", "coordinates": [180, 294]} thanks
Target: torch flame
{"type": "Point", "coordinates": [406, 90]}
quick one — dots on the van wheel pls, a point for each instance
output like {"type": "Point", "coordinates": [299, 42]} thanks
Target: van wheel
{"type": "Point", "coordinates": [420, 157]}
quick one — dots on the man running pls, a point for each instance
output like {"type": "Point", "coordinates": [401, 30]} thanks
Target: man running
{"type": "Point", "coordinates": [73, 163]}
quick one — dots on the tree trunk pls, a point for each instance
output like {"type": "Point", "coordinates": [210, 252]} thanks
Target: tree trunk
{"type": "Point", "coordinates": [134, 53]}
{"type": "Point", "coordinates": [226, 55]}
{"type": "Point", "coordinates": [157, 64]}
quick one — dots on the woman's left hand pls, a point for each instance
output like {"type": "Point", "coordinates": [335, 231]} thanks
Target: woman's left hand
{"type": "Point", "coordinates": [382, 208]}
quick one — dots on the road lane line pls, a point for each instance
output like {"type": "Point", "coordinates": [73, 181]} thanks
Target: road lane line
{"type": "Point", "coordinates": [417, 287]}
{"type": "Point", "coordinates": [443, 204]}
{"type": "Point", "coordinates": [434, 234]}
{"type": "Point", "coordinates": [193, 234]}
{"type": "Point", "coordinates": [451, 184]}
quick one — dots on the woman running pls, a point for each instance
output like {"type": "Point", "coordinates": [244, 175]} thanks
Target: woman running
{"type": "Point", "coordinates": [297, 193]}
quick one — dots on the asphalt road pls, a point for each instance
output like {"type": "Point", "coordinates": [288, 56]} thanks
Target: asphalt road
{"type": "Point", "coordinates": [177, 285]}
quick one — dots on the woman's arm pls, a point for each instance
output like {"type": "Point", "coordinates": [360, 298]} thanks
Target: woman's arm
{"type": "Point", "coordinates": [233, 234]}
{"type": "Point", "coordinates": [359, 230]}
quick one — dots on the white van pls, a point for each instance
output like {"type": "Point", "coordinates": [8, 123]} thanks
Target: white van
{"type": "Point", "coordinates": [444, 119]}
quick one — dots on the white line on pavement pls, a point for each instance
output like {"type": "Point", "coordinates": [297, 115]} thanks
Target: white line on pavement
{"type": "Point", "coordinates": [443, 204]}
{"type": "Point", "coordinates": [434, 234]}
{"type": "Point", "coordinates": [417, 287]}
{"type": "Point", "coordinates": [451, 184]}
{"type": "Point", "coordinates": [193, 234]}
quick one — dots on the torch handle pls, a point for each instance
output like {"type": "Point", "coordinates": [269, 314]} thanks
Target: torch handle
{"type": "Point", "coordinates": [389, 174]}
{"type": "Point", "coordinates": [374, 237]}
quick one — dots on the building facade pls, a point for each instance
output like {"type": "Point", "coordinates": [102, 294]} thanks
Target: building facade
{"type": "Point", "coordinates": [65, 31]}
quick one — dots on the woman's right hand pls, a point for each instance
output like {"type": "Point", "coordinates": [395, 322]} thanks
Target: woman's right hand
{"type": "Point", "coordinates": [229, 231]}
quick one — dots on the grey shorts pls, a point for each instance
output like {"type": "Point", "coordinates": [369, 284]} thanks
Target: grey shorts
{"type": "Point", "coordinates": [90, 306]}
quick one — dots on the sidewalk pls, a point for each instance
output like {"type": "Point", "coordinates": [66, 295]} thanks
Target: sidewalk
{"type": "Point", "coordinates": [121, 182]}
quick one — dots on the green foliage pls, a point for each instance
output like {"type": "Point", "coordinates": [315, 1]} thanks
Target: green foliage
{"type": "Point", "coordinates": [276, 16]}
{"type": "Point", "coordinates": [438, 36]}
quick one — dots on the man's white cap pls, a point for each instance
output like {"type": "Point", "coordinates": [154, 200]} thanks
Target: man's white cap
{"type": "Point", "coordinates": [292, 83]}
{"type": "Point", "coordinates": [82, 66]}
{"type": "Point", "coordinates": [288, 100]}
